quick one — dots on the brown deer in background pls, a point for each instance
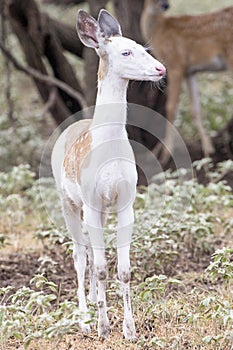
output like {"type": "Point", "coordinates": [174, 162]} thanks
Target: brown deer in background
{"type": "Point", "coordinates": [188, 45]}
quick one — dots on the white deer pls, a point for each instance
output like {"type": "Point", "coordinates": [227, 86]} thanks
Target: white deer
{"type": "Point", "coordinates": [94, 167]}
{"type": "Point", "coordinates": [188, 45]}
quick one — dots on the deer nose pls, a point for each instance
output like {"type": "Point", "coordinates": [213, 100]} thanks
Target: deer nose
{"type": "Point", "coordinates": [161, 70]}
{"type": "Point", "coordinates": [165, 6]}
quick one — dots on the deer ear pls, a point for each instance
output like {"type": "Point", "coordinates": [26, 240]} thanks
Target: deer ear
{"type": "Point", "coordinates": [108, 24]}
{"type": "Point", "coordinates": [87, 28]}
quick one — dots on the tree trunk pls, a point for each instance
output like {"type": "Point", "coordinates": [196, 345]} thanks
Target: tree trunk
{"type": "Point", "coordinates": [91, 59]}
{"type": "Point", "coordinates": [38, 39]}
{"type": "Point", "coordinates": [223, 142]}
{"type": "Point", "coordinates": [129, 17]}
{"type": "Point", "coordinates": [142, 93]}
{"type": "Point", "coordinates": [223, 145]}
{"type": "Point", "coordinates": [61, 69]}
{"type": "Point", "coordinates": [66, 34]}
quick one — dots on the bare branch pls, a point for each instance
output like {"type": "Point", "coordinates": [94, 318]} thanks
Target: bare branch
{"type": "Point", "coordinates": [47, 79]}
{"type": "Point", "coordinates": [66, 34]}
{"type": "Point", "coordinates": [50, 103]}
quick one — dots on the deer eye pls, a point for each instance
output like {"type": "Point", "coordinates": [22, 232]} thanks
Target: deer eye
{"type": "Point", "coordinates": [126, 53]}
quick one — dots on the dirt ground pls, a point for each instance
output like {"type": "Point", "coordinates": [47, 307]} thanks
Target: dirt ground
{"type": "Point", "coordinates": [78, 342]}
{"type": "Point", "coordinates": [17, 270]}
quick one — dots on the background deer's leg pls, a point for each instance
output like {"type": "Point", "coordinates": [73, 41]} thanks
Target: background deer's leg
{"type": "Point", "coordinates": [207, 144]}
{"type": "Point", "coordinates": [173, 93]}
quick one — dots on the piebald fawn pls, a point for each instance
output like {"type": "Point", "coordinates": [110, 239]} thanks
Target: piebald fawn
{"type": "Point", "coordinates": [188, 45]}
{"type": "Point", "coordinates": [94, 167]}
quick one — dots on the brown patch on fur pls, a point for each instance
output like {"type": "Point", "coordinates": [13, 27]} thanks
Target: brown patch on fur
{"type": "Point", "coordinates": [75, 131]}
{"type": "Point", "coordinates": [77, 152]}
{"type": "Point", "coordinates": [103, 67]}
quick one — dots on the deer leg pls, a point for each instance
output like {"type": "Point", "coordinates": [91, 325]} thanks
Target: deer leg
{"type": "Point", "coordinates": [93, 224]}
{"type": "Point", "coordinates": [73, 223]}
{"type": "Point", "coordinates": [207, 144]}
{"type": "Point", "coordinates": [92, 290]}
{"type": "Point", "coordinates": [173, 94]}
{"type": "Point", "coordinates": [124, 233]}
{"type": "Point", "coordinates": [125, 227]}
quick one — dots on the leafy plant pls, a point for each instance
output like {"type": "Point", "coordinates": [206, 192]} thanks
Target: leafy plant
{"type": "Point", "coordinates": [29, 314]}
{"type": "Point", "coordinates": [221, 265]}
{"type": "Point", "coordinates": [17, 180]}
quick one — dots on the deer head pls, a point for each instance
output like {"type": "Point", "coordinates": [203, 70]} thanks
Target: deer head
{"type": "Point", "coordinates": [121, 56]}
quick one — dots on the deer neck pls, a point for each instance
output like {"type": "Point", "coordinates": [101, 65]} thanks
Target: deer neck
{"type": "Point", "coordinates": [150, 21]}
{"type": "Point", "coordinates": [111, 101]}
